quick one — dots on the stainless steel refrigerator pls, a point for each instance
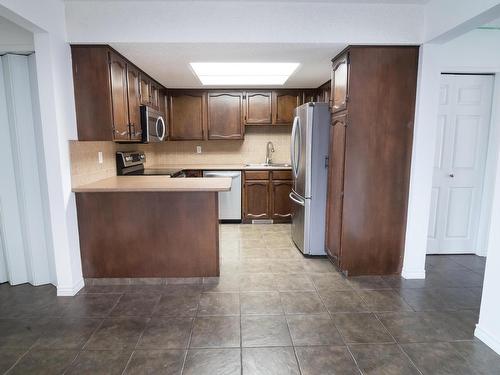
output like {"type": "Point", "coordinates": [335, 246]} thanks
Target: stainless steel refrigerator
{"type": "Point", "coordinates": [309, 159]}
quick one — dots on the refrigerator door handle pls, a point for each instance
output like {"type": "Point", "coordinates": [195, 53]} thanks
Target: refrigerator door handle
{"type": "Point", "coordinates": [295, 167]}
{"type": "Point", "coordinates": [292, 144]}
{"type": "Point", "coordinates": [295, 198]}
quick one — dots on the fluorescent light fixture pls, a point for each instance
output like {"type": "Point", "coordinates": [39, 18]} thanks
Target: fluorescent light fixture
{"type": "Point", "coordinates": [233, 74]}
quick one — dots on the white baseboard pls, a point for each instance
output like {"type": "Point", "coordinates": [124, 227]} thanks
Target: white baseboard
{"type": "Point", "coordinates": [413, 274]}
{"type": "Point", "coordinates": [64, 291]}
{"type": "Point", "coordinates": [486, 337]}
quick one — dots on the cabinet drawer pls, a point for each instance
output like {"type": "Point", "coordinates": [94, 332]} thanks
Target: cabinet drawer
{"type": "Point", "coordinates": [256, 175]}
{"type": "Point", "coordinates": [282, 175]}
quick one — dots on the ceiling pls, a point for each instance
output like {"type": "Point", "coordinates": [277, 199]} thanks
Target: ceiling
{"type": "Point", "coordinates": [304, 1]}
{"type": "Point", "coordinates": [168, 63]}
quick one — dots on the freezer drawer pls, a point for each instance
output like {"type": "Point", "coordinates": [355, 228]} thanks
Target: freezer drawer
{"type": "Point", "coordinates": [229, 201]}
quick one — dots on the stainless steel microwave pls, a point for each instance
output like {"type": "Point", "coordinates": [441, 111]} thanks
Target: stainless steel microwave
{"type": "Point", "coordinates": [154, 127]}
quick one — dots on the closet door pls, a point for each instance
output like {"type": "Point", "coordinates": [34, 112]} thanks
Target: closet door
{"type": "Point", "coordinates": [335, 192]}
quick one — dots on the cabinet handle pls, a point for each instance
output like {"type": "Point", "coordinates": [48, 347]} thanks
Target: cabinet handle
{"type": "Point", "coordinates": [122, 133]}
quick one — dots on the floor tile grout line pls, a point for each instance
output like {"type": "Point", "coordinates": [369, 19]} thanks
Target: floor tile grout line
{"type": "Point", "coordinates": [20, 358]}
{"type": "Point", "coordinates": [191, 334]}
{"type": "Point", "coordinates": [398, 344]}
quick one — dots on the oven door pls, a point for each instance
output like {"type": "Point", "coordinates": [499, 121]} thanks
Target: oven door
{"type": "Point", "coordinates": [153, 124]}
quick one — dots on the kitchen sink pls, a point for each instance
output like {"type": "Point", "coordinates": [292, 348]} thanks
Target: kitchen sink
{"type": "Point", "coordinates": [265, 165]}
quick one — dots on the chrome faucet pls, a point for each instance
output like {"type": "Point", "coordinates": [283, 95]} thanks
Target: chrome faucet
{"type": "Point", "coordinates": [269, 150]}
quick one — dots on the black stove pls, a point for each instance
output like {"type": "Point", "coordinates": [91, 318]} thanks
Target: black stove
{"type": "Point", "coordinates": [132, 164]}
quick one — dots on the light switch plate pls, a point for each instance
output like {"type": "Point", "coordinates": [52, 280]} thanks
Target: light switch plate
{"type": "Point", "coordinates": [99, 157]}
{"type": "Point", "coordinates": [198, 149]}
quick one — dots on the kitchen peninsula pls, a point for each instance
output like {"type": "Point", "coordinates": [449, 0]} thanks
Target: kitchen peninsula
{"type": "Point", "coordinates": [145, 227]}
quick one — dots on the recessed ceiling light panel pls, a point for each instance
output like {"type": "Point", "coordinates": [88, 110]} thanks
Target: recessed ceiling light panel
{"type": "Point", "coordinates": [233, 74]}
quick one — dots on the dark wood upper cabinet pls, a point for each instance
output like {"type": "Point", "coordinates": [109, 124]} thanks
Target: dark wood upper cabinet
{"type": "Point", "coordinates": [134, 103]}
{"type": "Point", "coordinates": [339, 83]}
{"type": "Point", "coordinates": [91, 80]}
{"type": "Point", "coordinates": [118, 74]}
{"type": "Point", "coordinates": [335, 190]}
{"type": "Point", "coordinates": [225, 115]}
{"type": "Point", "coordinates": [145, 84]}
{"type": "Point", "coordinates": [258, 109]}
{"type": "Point", "coordinates": [187, 114]}
{"type": "Point", "coordinates": [281, 206]}
{"type": "Point", "coordinates": [109, 90]}
{"type": "Point", "coordinates": [370, 156]}
{"type": "Point", "coordinates": [284, 104]}
{"type": "Point", "coordinates": [154, 96]}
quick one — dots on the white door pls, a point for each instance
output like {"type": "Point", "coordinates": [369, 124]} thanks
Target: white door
{"type": "Point", "coordinates": [461, 146]}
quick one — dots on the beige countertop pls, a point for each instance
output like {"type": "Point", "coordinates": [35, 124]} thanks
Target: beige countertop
{"type": "Point", "coordinates": [155, 184]}
{"type": "Point", "coordinates": [221, 167]}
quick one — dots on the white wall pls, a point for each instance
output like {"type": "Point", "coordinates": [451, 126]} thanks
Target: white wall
{"type": "Point", "coordinates": [243, 21]}
{"type": "Point", "coordinates": [488, 328]}
{"type": "Point", "coordinates": [14, 38]}
{"type": "Point", "coordinates": [474, 52]}
{"type": "Point", "coordinates": [58, 121]}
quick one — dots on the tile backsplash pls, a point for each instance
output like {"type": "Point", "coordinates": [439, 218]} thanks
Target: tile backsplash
{"type": "Point", "coordinates": [85, 167]}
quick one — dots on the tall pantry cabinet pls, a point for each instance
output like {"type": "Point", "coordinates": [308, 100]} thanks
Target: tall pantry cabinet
{"type": "Point", "coordinates": [373, 105]}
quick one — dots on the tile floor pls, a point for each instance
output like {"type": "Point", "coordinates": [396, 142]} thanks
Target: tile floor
{"type": "Point", "coordinates": [271, 312]}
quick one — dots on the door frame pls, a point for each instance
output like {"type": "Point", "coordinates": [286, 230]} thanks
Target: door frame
{"type": "Point", "coordinates": [492, 149]}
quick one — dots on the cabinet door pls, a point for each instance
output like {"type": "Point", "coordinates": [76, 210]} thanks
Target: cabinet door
{"type": "Point", "coordinates": [118, 78]}
{"type": "Point", "coordinates": [145, 90]}
{"type": "Point", "coordinates": [258, 108]}
{"type": "Point", "coordinates": [187, 115]}
{"type": "Point", "coordinates": [335, 192]}
{"type": "Point", "coordinates": [134, 102]}
{"type": "Point", "coordinates": [225, 117]}
{"type": "Point", "coordinates": [256, 199]}
{"type": "Point", "coordinates": [281, 206]}
{"type": "Point", "coordinates": [340, 78]}
{"type": "Point", "coordinates": [284, 104]}
{"type": "Point", "coordinates": [154, 96]}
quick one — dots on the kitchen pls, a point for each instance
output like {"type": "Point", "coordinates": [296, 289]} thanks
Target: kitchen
{"type": "Point", "coordinates": [136, 109]}
{"type": "Point", "coordinates": [237, 200]}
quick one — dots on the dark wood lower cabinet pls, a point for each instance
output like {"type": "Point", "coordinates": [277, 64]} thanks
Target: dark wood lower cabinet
{"type": "Point", "coordinates": [256, 199]}
{"type": "Point", "coordinates": [265, 196]}
{"type": "Point", "coordinates": [281, 206]}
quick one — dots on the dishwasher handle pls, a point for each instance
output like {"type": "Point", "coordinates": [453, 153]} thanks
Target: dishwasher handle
{"type": "Point", "coordinates": [215, 174]}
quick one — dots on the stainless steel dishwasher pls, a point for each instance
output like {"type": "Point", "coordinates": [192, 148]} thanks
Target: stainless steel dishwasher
{"type": "Point", "coordinates": [229, 201]}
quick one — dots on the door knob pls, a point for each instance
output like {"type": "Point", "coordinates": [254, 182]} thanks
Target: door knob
{"type": "Point", "coordinates": [451, 175]}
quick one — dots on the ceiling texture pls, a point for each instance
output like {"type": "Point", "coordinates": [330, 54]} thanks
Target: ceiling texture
{"type": "Point", "coordinates": [169, 62]}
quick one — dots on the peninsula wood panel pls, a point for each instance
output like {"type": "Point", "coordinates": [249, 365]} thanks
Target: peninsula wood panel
{"type": "Point", "coordinates": [148, 234]}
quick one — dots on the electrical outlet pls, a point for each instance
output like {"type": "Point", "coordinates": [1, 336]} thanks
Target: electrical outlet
{"type": "Point", "coordinates": [198, 149]}
{"type": "Point", "coordinates": [99, 157]}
